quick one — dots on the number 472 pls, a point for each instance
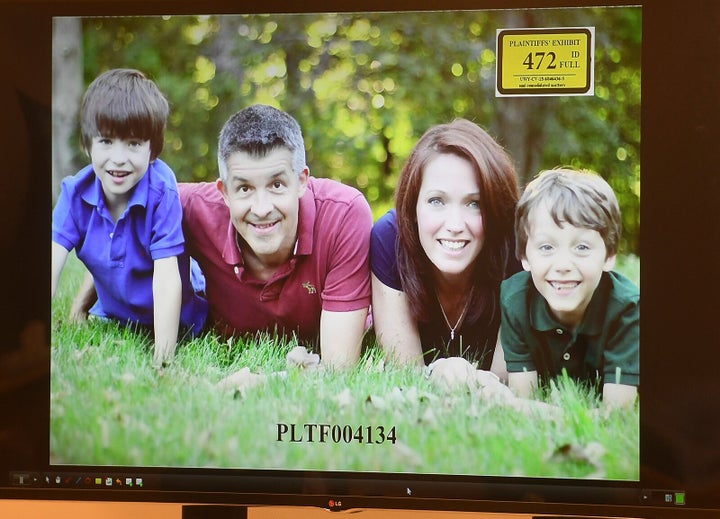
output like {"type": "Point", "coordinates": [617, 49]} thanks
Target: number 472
{"type": "Point", "coordinates": [535, 60]}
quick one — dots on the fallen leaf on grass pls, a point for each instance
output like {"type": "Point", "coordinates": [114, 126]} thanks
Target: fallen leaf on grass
{"type": "Point", "coordinates": [242, 380]}
{"type": "Point", "coordinates": [128, 377]}
{"type": "Point", "coordinates": [344, 398]}
{"type": "Point", "coordinates": [377, 401]}
{"type": "Point", "coordinates": [397, 396]}
{"type": "Point", "coordinates": [300, 357]}
{"type": "Point", "coordinates": [428, 417]}
{"type": "Point", "coordinates": [78, 354]}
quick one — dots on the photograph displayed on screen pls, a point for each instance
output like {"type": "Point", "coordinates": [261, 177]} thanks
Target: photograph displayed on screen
{"type": "Point", "coordinates": [396, 242]}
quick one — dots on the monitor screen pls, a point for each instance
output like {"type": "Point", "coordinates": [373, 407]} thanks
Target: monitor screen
{"type": "Point", "coordinates": [383, 313]}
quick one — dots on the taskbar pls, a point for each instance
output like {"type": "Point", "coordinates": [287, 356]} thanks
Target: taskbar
{"type": "Point", "coordinates": [419, 489]}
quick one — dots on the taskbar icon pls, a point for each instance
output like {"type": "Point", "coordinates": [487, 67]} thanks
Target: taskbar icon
{"type": "Point", "coordinates": [75, 480]}
{"type": "Point", "coordinates": [659, 497]}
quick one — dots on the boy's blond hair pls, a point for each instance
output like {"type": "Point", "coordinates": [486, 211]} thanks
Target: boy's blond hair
{"type": "Point", "coordinates": [581, 198]}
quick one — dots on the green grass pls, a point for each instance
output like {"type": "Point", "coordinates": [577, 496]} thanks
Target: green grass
{"type": "Point", "coordinates": [109, 406]}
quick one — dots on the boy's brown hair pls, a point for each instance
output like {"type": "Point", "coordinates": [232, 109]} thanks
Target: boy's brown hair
{"type": "Point", "coordinates": [581, 198]}
{"type": "Point", "coordinates": [123, 103]}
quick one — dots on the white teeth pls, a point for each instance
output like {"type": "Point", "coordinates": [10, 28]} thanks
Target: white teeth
{"type": "Point", "coordinates": [118, 174]}
{"type": "Point", "coordinates": [452, 245]}
{"type": "Point", "coordinates": [560, 285]}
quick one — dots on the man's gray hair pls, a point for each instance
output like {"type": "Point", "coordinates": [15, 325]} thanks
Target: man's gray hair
{"type": "Point", "coordinates": [258, 130]}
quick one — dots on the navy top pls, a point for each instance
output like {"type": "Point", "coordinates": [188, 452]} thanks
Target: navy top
{"type": "Point", "coordinates": [120, 255]}
{"type": "Point", "coordinates": [474, 341]}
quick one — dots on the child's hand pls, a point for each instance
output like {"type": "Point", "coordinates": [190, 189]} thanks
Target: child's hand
{"type": "Point", "coordinates": [619, 396]}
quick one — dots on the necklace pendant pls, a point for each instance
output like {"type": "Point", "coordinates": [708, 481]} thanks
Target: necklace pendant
{"type": "Point", "coordinates": [460, 319]}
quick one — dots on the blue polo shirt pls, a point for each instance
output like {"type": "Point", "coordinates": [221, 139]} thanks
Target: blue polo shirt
{"type": "Point", "coordinates": [120, 254]}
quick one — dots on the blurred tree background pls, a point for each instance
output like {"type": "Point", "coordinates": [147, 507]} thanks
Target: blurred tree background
{"type": "Point", "coordinates": [364, 87]}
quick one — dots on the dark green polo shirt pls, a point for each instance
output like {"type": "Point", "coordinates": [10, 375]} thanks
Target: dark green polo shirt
{"type": "Point", "coordinates": [605, 346]}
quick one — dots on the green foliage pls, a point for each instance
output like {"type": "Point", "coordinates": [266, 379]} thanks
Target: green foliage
{"type": "Point", "coordinates": [629, 266]}
{"type": "Point", "coordinates": [365, 86]}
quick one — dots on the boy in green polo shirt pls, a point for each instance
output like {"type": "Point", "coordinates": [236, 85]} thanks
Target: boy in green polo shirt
{"type": "Point", "coordinates": [568, 310]}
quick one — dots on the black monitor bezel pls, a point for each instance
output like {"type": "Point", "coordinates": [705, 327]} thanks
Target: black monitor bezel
{"type": "Point", "coordinates": [678, 113]}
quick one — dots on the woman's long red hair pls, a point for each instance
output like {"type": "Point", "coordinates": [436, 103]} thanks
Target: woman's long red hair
{"type": "Point", "coordinates": [498, 195]}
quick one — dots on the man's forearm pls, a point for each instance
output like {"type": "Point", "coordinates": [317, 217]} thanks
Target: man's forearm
{"type": "Point", "coordinates": [341, 336]}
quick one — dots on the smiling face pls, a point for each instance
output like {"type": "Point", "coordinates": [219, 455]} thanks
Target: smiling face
{"type": "Point", "coordinates": [566, 263]}
{"type": "Point", "coordinates": [450, 222]}
{"type": "Point", "coordinates": [119, 164]}
{"type": "Point", "coordinates": [263, 195]}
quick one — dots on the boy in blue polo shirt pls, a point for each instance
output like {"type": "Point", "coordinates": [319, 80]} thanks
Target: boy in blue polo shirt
{"type": "Point", "coordinates": [122, 214]}
{"type": "Point", "coordinates": [569, 311]}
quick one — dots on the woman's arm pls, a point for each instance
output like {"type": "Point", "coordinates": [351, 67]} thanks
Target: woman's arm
{"type": "Point", "coordinates": [618, 395]}
{"type": "Point", "coordinates": [395, 328]}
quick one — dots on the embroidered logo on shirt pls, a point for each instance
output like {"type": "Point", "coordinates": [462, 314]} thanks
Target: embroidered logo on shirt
{"type": "Point", "coordinates": [309, 287]}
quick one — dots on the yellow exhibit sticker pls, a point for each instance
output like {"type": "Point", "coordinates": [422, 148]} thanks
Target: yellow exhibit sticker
{"type": "Point", "coordinates": [557, 61]}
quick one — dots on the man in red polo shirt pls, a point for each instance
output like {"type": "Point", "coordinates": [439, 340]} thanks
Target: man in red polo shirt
{"type": "Point", "coordinates": [281, 251]}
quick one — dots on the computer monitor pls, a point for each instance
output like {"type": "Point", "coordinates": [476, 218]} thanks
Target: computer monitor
{"type": "Point", "coordinates": [627, 90]}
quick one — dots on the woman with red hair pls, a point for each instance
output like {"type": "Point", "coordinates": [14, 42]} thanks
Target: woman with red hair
{"type": "Point", "coordinates": [438, 258]}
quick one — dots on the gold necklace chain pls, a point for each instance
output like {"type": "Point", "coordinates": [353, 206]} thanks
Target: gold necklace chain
{"type": "Point", "coordinates": [462, 314]}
